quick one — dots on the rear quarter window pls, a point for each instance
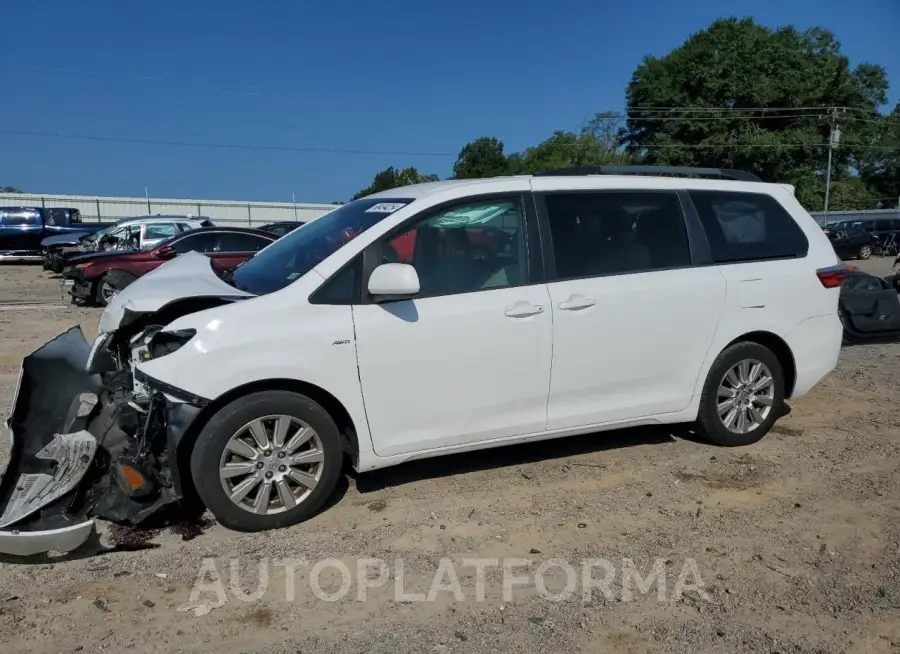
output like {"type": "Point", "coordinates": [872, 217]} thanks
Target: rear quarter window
{"type": "Point", "coordinates": [748, 227]}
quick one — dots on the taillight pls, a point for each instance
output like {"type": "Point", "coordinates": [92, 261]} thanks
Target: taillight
{"type": "Point", "coordinates": [831, 277]}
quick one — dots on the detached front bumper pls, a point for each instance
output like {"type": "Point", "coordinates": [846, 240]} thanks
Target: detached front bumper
{"type": "Point", "coordinates": [80, 289]}
{"type": "Point", "coordinates": [83, 448]}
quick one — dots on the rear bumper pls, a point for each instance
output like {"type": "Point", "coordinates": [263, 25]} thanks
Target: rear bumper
{"type": "Point", "coordinates": [816, 346]}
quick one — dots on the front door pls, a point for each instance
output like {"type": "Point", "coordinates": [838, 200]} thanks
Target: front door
{"type": "Point", "coordinates": [632, 320]}
{"type": "Point", "coordinates": [468, 360]}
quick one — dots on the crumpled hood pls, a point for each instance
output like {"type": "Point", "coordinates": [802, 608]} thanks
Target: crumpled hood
{"type": "Point", "coordinates": [187, 275]}
{"type": "Point", "coordinates": [64, 239]}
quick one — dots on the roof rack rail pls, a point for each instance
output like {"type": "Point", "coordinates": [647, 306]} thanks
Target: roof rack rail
{"type": "Point", "coordinates": [726, 173]}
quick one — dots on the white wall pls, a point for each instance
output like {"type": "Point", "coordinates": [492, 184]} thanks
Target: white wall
{"type": "Point", "coordinates": [107, 209]}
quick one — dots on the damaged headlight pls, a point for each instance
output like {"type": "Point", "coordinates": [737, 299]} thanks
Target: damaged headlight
{"type": "Point", "coordinates": [166, 342]}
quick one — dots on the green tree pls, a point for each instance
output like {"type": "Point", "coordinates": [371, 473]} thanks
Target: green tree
{"type": "Point", "coordinates": [483, 157]}
{"type": "Point", "coordinates": [597, 143]}
{"type": "Point", "coordinates": [393, 178]}
{"type": "Point", "coordinates": [10, 189]}
{"type": "Point", "coordinates": [741, 95]}
{"type": "Point", "coordinates": [879, 165]}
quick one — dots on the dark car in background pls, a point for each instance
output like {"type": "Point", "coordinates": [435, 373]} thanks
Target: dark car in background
{"type": "Point", "coordinates": [850, 240]}
{"type": "Point", "coordinates": [98, 276]}
{"type": "Point", "coordinates": [281, 228]}
{"type": "Point", "coordinates": [22, 229]}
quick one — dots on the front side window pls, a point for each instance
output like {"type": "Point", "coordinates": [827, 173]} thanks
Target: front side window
{"type": "Point", "coordinates": [748, 227]}
{"type": "Point", "coordinates": [614, 232]}
{"type": "Point", "coordinates": [296, 253]}
{"type": "Point", "coordinates": [197, 243]}
{"type": "Point", "coordinates": [237, 242]}
{"type": "Point", "coordinates": [470, 247]}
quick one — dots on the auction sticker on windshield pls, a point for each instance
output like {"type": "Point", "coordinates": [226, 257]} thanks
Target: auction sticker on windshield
{"type": "Point", "coordinates": [386, 207]}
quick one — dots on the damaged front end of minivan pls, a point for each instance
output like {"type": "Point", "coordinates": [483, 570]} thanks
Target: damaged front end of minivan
{"type": "Point", "coordinates": [93, 439]}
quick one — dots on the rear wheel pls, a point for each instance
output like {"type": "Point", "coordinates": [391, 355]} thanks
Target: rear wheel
{"type": "Point", "coordinates": [743, 395]}
{"type": "Point", "coordinates": [267, 460]}
{"type": "Point", "coordinates": [865, 251]}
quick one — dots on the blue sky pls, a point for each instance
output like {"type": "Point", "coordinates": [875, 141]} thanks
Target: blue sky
{"type": "Point", "coordinates": [396, 75]}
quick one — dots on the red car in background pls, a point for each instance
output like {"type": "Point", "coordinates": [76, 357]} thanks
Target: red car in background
{"type": "Point", "coordinates": [97, 277]}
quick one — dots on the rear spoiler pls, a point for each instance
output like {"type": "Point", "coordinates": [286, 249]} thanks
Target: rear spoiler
{"type": "Point", "coordinates": [790, 189]}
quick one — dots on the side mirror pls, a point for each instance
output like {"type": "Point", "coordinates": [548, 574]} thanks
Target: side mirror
{"type": "Point", "coordinates": [393, 281]}
{"type": "Point", "coordinates": [165, 252]}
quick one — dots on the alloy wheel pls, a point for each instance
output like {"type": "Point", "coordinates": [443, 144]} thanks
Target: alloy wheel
{"type": "Point", "coordinates": [271, 464]}
{"type": "Point", "coordinates": [107, 292]}
{"type": "Point", "coordinates": [745, 396]}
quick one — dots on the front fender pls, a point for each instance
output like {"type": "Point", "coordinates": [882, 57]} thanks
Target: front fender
{"type": "Point", "coordinates": [209, 380]}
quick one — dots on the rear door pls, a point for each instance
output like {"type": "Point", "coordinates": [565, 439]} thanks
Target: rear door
{"type": "Point", "coordinates": [632, 317]}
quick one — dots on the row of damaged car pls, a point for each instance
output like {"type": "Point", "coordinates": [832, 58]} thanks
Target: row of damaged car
{"type": "Point", "coordinates": [95, 266]}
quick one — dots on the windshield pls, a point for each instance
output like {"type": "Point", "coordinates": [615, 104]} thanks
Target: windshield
{"type": "Point", "coordinates": [296, 253]}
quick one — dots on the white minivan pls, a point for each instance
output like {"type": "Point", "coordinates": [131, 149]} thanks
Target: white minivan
{"type": "Point", "coordinates": [460, 315]}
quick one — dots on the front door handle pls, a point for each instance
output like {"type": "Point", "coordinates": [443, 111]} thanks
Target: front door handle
{"type": "Point", "coordinates": [577, 302]}
{"type": "Point", "coordinates": [523, 310]}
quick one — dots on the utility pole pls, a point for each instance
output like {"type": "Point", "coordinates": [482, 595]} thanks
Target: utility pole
{"type": "Point", "coordinates": [834, 138]}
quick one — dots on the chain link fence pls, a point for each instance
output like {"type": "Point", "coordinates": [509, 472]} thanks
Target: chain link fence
{"type": "Point", "coordinates": [224, 212]}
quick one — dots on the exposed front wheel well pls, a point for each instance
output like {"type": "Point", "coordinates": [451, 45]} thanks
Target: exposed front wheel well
{"type": "Point", "coordinates": [319, 395]}
{"type": "Point", "coordinates": [780, 349]}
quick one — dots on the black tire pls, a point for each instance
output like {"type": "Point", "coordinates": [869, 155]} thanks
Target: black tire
{"type": "Point", "coordinates": [865, 251]}
{"type": "Point", "coordinates": [115, 279]}
{"type": "Point", "coordinates": [709, 424]}
{"type": "Point", "coordinates": [211, 442]}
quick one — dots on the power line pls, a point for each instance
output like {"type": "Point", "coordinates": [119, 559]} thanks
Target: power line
{"type": "Point", "coordinates": [354, 151]}
{"type": "Point", "coordinates": [231, 146]}
{"type": "Point", "coordinates": [259, 91]}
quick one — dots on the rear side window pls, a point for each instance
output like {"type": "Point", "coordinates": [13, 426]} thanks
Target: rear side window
{"type": "Point", "coordinates": [158, 231]}
{"type": "Point", "coordinates": [748, 227]}
{"type": "Point", "coordinates": [235, 242]}
{"type": "Point", "coordinates": [616, 232]}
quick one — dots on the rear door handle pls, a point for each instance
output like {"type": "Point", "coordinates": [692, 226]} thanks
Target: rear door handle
{"type": "Point", "coordinates": [577, 302]}
{"type": "Point", "coordinates": [523, 310]}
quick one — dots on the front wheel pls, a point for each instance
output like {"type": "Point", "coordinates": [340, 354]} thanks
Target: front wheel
{"type": "Point", "coordinates": [865, 251]}
{"type": "Point", "coordinates": [743, 395]}
{"type": "Point", "coordinates": [267, 460]}
{"type": "Point", "coordinates": [110, 284]}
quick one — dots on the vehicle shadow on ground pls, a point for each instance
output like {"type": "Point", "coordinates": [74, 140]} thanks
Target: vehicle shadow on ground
{"type": "Point", "coordinates": [515, 455]}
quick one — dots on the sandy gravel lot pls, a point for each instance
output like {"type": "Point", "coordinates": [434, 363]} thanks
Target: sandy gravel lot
{"type": "Point", "coordinates": [796, 541]}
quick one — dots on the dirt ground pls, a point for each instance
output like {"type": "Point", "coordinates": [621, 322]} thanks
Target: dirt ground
{"type": "Point", "coordinates": [795, 541]}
